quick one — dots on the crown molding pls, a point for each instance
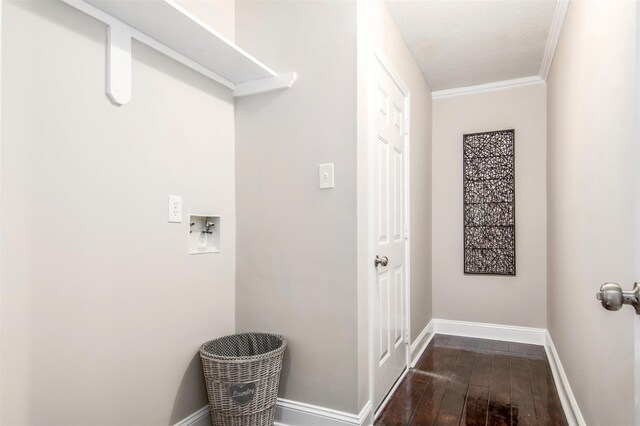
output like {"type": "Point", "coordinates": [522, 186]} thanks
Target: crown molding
{"type": "Point", "coordinates": [554, 35]}
{"type": "Point", "coordinates": [488, 87]}
{"type": "Point", "coordinates": [560, 13]}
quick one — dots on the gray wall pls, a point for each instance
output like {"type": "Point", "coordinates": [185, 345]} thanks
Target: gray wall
{"type": "Point", "coordinates": [519, 300]}
{"type": "Point", "coordinates": [592, 194]}
{"type": "Point", "coordinates": [103, 311]}
{"type": "Point", "coordinates": [296, 246]}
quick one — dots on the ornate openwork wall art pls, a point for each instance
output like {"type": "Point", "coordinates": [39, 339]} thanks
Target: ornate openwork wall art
{"type": "Point", "coordinates": [489, 203]}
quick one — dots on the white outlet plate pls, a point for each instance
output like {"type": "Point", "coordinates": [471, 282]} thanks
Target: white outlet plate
{"type": "Point", "coordinates": [325, 176]}
{"type": "Point", "coordinates": [175, 209]}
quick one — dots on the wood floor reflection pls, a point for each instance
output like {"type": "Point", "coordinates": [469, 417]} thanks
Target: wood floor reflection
{"type": "Point", "coordinates": [466, 381]}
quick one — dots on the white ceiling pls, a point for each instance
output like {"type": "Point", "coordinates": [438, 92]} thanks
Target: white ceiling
{"type": "Point", "coordinates": [461, 43]}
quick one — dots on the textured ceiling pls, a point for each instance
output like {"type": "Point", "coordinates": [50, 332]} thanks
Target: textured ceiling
{"type": "Point", "coordinates": [464, 43]}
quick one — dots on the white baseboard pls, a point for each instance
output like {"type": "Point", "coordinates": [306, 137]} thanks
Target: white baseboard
{"type": "Point", "coordinates": [536, 336]}
{"type": "Point", "coordinates": [420, 344]}
{"type": "Point", "coordinates": [568, 400]}
{"type": "Point", "coordinates": [199, 418]}
{"type": "Point", "coordinates": [293, 413]}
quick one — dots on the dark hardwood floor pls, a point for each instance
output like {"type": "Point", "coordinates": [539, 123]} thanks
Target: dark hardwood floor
{"type": "Point", "coordinates": [465, 381]}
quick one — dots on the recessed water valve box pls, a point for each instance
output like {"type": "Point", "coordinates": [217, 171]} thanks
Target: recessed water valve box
{"type": "Point", "coordinates": [204, 234]}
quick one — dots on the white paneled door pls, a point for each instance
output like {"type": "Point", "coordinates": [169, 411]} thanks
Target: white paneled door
{"type": "Point", "coordinates": [389, 230]}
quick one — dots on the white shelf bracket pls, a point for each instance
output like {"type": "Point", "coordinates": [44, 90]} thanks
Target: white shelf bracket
{"type": "Point", "coordinates": [278, 82]}
{"type": "Point", "coordinates": [118, 64]}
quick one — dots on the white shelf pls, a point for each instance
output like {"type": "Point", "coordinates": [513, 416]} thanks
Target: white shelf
{"type": "Point", "coordinates": [169, 28]}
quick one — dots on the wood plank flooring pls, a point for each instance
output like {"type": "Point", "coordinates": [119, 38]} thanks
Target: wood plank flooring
{"type": "Point", "coordinates": [466, 381]}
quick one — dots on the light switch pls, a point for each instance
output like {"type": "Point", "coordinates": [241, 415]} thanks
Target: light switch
{"type": "Point", "coordinates": [175, 209]}
{"type": "Point", "coordinates": [325, 175]}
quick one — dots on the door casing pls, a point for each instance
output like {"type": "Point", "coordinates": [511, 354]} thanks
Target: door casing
{"type": "Point", "coordinates": [636, 331]}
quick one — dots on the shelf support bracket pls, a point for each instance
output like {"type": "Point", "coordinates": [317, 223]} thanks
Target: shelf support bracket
{"type": "Point", "coordinates": [118, 64]}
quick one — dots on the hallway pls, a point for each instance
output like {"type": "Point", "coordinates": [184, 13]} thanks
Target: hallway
{"type": "Point", "coordinates": [400, 189]}
{"type": "Point", "coordinates": [467, 381]}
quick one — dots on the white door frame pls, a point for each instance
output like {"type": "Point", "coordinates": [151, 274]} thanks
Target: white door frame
{"type": "Point", "coordinates": [636, 331]}
{"type": "Point", "coordinates": [379, 58]}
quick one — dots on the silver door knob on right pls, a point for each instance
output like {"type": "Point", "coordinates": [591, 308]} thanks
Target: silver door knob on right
{"type": "Point", "coordinates": [381, 261]}
{"type": "Point", "coordinates": [613, 297]}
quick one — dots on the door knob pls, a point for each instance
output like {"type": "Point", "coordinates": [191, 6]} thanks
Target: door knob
{"type": "Point", "coordinates": [381, 261]}
{"type": "Point", "coordinates": [613, 297]}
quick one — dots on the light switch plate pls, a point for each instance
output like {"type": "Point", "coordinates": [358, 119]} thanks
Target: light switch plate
{"type": "Point", "coordinates": [325, 176]}
{"type": "Point", "coordinates": [175, 209]}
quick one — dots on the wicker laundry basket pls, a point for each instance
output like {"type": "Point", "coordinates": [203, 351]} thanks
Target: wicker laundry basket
{"type": "Point", "coordinates": [242, 373]}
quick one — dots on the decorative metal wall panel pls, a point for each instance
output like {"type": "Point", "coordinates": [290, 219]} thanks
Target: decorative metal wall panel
{"type": "Point", "coordinates": [489, 203]}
